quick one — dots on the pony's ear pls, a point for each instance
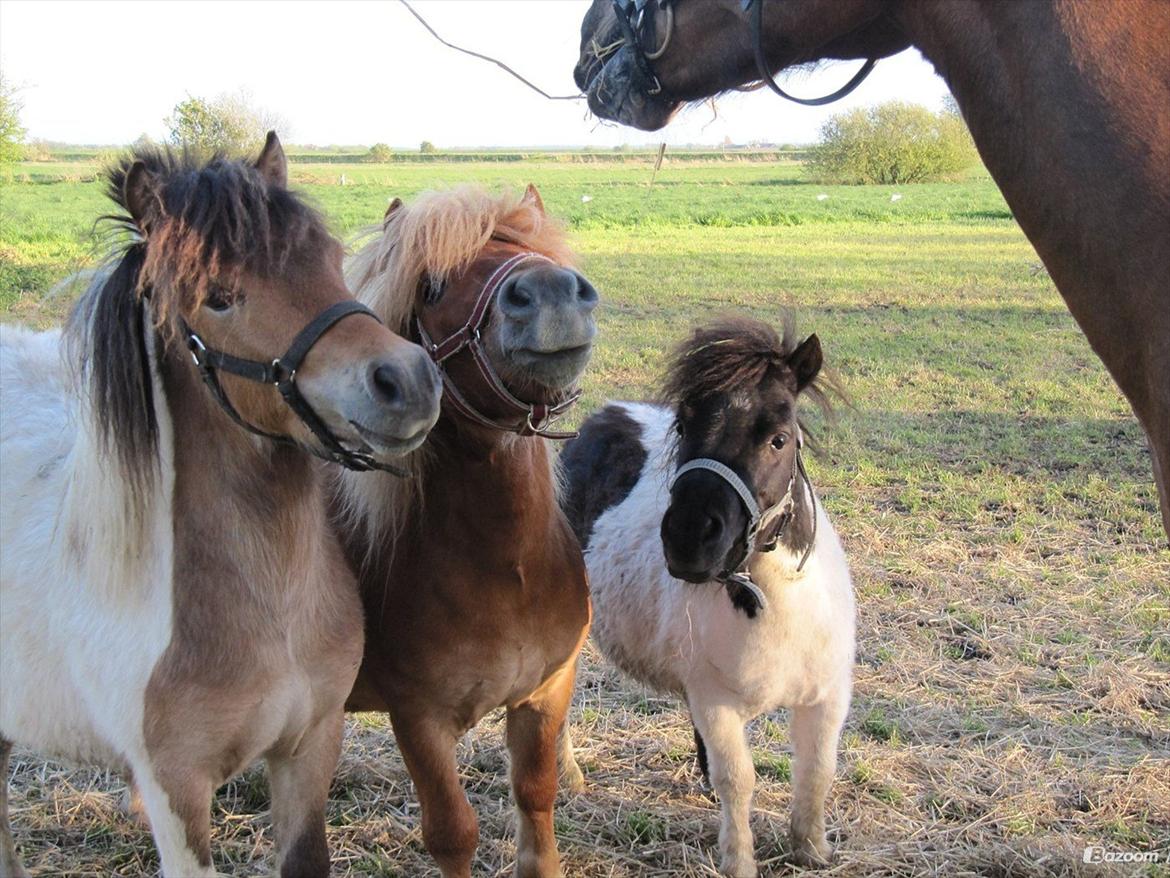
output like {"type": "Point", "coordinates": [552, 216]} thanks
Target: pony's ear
{"type": "Point", "coordinates": [805, 362]}
{"type": "Point", "coordinates": [394, 205]}
{"type": "Point", "coordinates": [141, 196]}
{"type": "Point", "coordinates": [272, 164]}
{"type": "Point", "coordinates": [531, 196]}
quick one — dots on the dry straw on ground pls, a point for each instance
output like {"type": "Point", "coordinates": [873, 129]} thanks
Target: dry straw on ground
{"type": "Point", "coordinates": [1009, 711]}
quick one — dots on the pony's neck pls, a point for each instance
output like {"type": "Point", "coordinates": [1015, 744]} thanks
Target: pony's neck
{"type": "Point", "coordinates": [230, 483]}
{"type": "Point", "coordinates": [494, 483]}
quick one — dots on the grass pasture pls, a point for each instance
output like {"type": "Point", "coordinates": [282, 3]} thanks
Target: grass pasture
{"type": "Point", "coordinates": [1012, 700]}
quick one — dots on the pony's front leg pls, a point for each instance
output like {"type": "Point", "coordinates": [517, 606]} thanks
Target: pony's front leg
{"type": "Point", "coordinates": [534, 728]}
{"type": "Point", "coordinates": [734, 779]}
{"type": "Point", "coordinates": [449, 828]}
{"type": "Point", "coordinates": [300, 786]}
{"type": "Point", "coordinates": [178, 805]}
{"type": "Point", "coordinates": [10, 865]}
{"type": "Point", "coordinates": [815, 731]}
{"type": "Point", "coordinates": [572, 778]}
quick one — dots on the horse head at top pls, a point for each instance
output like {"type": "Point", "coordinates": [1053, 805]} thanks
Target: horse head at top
{"type": "Point", "coordinates": [488, 286]}
{"type": "Point", "coordinates": [734, 386]}
{"type": "Point", "coordinates": [238, 269]}
{"type": "Point", "coordinates": [641, 60]}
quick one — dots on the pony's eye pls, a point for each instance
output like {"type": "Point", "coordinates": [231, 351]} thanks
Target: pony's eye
{"type": "Point", "coordinates": [221, 299]}
{"type": "Point", "coordinates": [779, 441]}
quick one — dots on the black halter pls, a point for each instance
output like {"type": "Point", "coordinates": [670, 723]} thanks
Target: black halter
{"type": "Point", "coordinates": [632, 18]}
{"type": "Point", "coordinates": [282, 373]}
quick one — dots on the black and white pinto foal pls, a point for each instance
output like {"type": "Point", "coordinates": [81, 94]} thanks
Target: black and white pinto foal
{"type": "Point", "coordinates": [711, 489]}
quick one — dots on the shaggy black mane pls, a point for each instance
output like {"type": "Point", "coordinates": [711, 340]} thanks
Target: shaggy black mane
{"type": "Point", "coordinates": [735, 352]}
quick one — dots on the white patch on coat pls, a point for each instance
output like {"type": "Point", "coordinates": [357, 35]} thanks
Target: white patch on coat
{"type": "Point", "coordinates": [84, 614]}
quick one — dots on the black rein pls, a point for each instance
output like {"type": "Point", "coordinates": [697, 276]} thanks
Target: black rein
{"type": "Point", "coordinates": [631, 16]}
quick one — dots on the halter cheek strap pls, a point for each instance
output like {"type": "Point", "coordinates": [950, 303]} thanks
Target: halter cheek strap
{"type": "Point", "coordinates": [282, 374]}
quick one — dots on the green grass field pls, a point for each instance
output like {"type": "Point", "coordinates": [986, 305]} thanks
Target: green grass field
{"type": "Point", "coordinates": [991, 485]}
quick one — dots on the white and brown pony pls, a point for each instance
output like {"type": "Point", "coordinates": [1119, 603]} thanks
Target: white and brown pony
{"type": "Point", "coordinates": [472, 580]}
{"type": "Point", "coordinates": [173, 602]}
{"type": "Point", "coordinates": [715, 573]}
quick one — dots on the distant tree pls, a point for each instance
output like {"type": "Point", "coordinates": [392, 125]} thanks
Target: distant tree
{"type": "Point", "coordinates": [229, 123]}
{"type": "Point", "coordinates": [891, 143]}
{"type": "Point", "coordinates": [380, 152]}
{"type": "Point", "coordinates": [426, 146]}
{"type": "Point", "coordinates": [143, 141]}
{"type": "Point", "coordinates": [11, 131]}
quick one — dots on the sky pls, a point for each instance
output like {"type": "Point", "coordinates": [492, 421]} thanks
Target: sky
{"type": "Point", "coordinates": [353, 72]}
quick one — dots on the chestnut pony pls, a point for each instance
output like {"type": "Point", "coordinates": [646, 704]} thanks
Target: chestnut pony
{"type": "Point", "coordinates": [1068, 102]}
{"type": "Point", "coordinates": [173, 602]}
{"type": "Point", "coordinates": [473, 583]}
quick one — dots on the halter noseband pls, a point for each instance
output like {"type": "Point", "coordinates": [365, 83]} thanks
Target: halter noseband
{"type": "Point", "coordinates": [744, 593]}
{"type": "Point", "coordinates": [630, 18]}
{"type": "Point", "coordinates": [530, 419]}
{"type": "Point", "coordinates": [282, 374]}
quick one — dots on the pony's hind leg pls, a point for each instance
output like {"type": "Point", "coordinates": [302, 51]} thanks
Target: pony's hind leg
{"type": "Point", "coordinates": [572, 778]}
{"type": "Point", "coordinates": [10, 865]}
{"type": "Point", "coordinates": [449, 828]}
{"type": "Point", "coordinates": [533, 731]}
{"type": "Point", "coordinates": [815, 730]}
{"type": "Point", "coordinates": [734, 779]}
{"type": "Point", "coordinates": [300, 787]}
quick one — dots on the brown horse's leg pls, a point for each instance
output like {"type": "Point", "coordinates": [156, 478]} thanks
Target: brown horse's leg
{"type": "Point", "coordinates": [533, 731]}
{"type": "Point", "coordinates": [572, 778]}
{"type": "Point", "coordinates": [449, 828]}
{"type": "Point", "coordinates": [10, 866]}
{"type": "Point", "coordinates": [300, 786]}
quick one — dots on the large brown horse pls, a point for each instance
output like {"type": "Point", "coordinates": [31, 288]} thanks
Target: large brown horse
{"type": "Point", "coordinates": [473, 583]}
{"type": "Point", "coordinates": [1068, 102]}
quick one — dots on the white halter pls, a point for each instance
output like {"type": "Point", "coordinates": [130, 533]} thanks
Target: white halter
{"type": "Point", "coordinates": [757, 519]}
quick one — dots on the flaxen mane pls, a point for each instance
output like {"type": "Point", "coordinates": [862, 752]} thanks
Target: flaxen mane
{"type": "Point", "coordinates": [428, 240]}
{"type": "Point", "coordinates": [735, 352]}
{"type": "Point", "coordinates": [210, 222]}
{"type": "Point", "coordinates": [438, 234]}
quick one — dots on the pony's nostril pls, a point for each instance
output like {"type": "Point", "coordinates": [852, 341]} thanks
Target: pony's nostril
{"type": "Point", "coordinates": [587, 295]}
{"type": "Point", "coordinates": [386, 385]}
{"type": "Point", "coordinates": [712, 529]}
{"type": "Point", "coordinates": [514, 298]}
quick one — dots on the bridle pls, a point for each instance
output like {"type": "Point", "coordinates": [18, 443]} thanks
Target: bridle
{"type": "Point", "coordinates": [525, 419]}
{"type": "Point", "coordinates": [632, 20]}
{"type": "Point", "coordinates": [763, 529]}
{"type": "Point", "coordinates": [282, 374]}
